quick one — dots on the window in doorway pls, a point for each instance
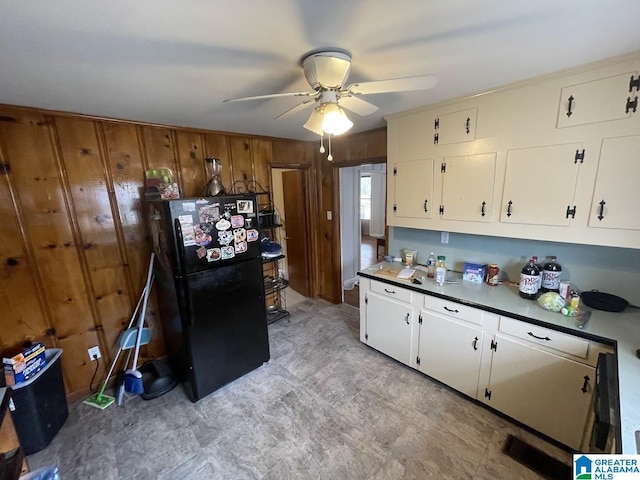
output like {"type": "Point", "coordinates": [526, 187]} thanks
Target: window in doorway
{"type": "Point", "coordinates": [365, 197]}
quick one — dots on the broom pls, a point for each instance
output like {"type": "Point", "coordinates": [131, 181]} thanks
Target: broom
{"type": "Point", "coordinates": [100, 399]}
{"type": "Point", "coordinates": [133, 377]}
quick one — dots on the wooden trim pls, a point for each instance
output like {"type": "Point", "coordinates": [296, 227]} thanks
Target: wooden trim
{"type": "Point", "coordinates": [310, 213]}
{"type": "Point", "coordinates": [337, 251]}
{"type": "Point", "coordinates": [359, 161]}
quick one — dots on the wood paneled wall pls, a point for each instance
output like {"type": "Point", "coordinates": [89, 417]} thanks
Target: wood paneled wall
{"type": "Point", "coordinates": [73, 243]}
{"type": "Point", "coordinates": [348, 150]}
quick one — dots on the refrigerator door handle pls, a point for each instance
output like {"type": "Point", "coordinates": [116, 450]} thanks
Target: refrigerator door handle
{"type": "Point", "coordinates": [180, 247]}
{"type": "Point", "coordinates": [184, 303]}
{"type": "Point", "coordinates": [186, 297]}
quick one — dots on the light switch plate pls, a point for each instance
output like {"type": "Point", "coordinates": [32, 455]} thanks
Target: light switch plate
{"type": "Point", "coordinates": [444, 237]}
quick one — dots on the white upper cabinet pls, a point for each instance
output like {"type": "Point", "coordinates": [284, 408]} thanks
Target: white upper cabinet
{"type": "Point", "coordinates": [413, 187]}
{"type": "Point", "coordinates": [512, 151]}
{"type": "Point", "coordinates": [413, 138]}
{"type": "Point", "coordinates": [539, 185]}
{"type": "Point", "coordinates": [617, 192]}
{"type": "Point", "coordinates": [467, 187]}
{"type": "Point", "coordinates": [455, 127]}
{"type": "Point", "coordinates": [596, 101]}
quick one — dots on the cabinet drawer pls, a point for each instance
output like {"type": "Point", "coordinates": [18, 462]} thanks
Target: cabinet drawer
{"type": "Point", "coordinates": [545, 336]}
{"type": "Point", "coordinates": [453, 309]}
{"type": "Point", "coordinates": [392, 291]}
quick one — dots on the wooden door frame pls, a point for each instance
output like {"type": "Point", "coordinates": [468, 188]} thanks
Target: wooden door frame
{"type": "Point", "coordinates": [337, 245]}
{"type": "Point", "coordinates": [310, 212]}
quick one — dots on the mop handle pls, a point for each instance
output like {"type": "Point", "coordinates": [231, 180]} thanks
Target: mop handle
{"type": "Point", "coordinates": [144, 310]}
{"type": "Point", "coordinates": [115, 360]}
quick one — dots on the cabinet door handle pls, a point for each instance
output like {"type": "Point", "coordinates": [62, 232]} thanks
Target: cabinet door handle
{"type": "Point", "coordinates": [483, 208]}
{"type": "Point", "coordinates": [425, 205]}
{"type": "Point", "coordinates": [509, 205]}
{"type": "Point", "coordinates": [570, 106]}
{"type": "Point", "coordinates": [601, 210]}
{"type": "Point", "coordinates": [475, 343]}
{"type": "Point", "coordinates": [539, 338]}
{"type": "Point", "coordinates": [450, 310]}
{"type": "Point", "coordinates": [406, 319]}
{"type": "Point", "coordinates": [390, 291]}
{"type": "Point", "coordinates": [585, 385]}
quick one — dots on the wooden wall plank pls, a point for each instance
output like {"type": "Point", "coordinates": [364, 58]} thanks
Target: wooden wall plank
{"type": "Point", "coordinates": [357, 149]}
{"type": "Point", "coordinates": [281, 151]}
{"type": "Point", "coordinates": [377, 143]}
{"type": "Point", "coordinates": [158, 149]}
{"type": "Point", "coordinates": [98, 229]}
{"type": "Point", "coordinates": [191, 160]}
{"type": "Point", "coordinates": [41, 194]}
{"type": "Point", "coordinates": [216, 145]}
{"type": "Point", "coordinates": [125, 163]}
{"type": "Point", "coordinates": [242, 168]}
{"type": "Point", "coordinates": [261, 153]}
{"type": "Point", "coordinates": [20, 304]}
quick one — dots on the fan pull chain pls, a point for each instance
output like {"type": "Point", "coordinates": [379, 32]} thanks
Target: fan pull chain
{"type": "Point", "coordinates": [322, 150]}
{"type": "Point", "coordinates": [329, 157]}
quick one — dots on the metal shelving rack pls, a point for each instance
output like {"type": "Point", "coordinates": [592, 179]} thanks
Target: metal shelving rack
{"type": "Point", "coordinates": [274, 284]}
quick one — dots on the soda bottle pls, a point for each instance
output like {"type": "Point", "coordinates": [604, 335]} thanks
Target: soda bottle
{"type": "Point", "coordinates": [551, 276]}
{"type": "Point", "coordinates": [528, 287]}
{"type": "Point", "coordinates": [431, 265]}
{"type": "Point", "coordinates": [539, 267]}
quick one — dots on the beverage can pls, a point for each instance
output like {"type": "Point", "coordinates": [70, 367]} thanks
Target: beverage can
{"type": "Point", "coordinates": [408, 258]}
{"type": "Point", "coordinates": [492, 274]}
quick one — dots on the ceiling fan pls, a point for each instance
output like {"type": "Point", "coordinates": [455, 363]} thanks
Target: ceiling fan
{"type": "Point", "coordinates": [327, 71]}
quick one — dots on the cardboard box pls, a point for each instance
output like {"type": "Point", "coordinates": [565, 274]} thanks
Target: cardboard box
{"type": "Point", "coordinates": [24, 365]}
{"type": "Point", "coordinates": [474, 272]}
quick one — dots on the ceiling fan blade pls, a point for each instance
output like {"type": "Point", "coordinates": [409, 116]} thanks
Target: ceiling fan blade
{"type": "Point", "coordinates": [357, 105]}
{"type": "Point", "coordinates": [406, 84]}
{"type": "Point", "coordinates": [296, 109]}
{"type": "Point", "coordinates": [272, 95]}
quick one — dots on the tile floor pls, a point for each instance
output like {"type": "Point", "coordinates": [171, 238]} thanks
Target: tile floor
{"type": "Point", "coordinates": [324, 407]}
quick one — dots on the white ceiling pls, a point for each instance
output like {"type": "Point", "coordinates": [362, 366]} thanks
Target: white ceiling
{"type": "Point", "coordinates": [174, 61]}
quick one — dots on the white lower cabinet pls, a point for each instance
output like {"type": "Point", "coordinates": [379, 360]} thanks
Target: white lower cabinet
{"type": "Point", "coordinates": [450, 350]}
{"type": "Point", "coordinates": [535, 375]}
{"type": "Point", "coordinates": [388, 324]}
{"type": "Point", "coordinates": [541, 389]}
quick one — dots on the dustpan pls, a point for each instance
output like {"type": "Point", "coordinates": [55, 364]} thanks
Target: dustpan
{"type": "Point", "coordinates": [128, 338]}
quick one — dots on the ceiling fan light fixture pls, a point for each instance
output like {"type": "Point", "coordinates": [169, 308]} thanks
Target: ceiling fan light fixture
{"type": "Point", "coordinates": [335, 121]}
{"type": "Point", "coordinates": [314, 123]}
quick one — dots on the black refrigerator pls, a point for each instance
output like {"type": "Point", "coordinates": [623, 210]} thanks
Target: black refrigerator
{"type": "Point", "coordinates": [209, 281]}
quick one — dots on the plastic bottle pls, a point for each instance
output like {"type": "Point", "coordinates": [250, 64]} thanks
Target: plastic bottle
{"type": "Point", "coordinates": [551, 276]}
{"type": "Point", "coordinates": [441, 270]}
{"type": "Point", "coordinates": [528, 287]}
{"type": "Point", "coordinates": [431, 265]}
{"type": "Point", "coordinates": [539, 267]}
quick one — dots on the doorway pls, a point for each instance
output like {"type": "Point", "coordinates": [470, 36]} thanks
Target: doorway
{"type": "Point", "coordinates": [290, 202]}
{"type": "Point", "coordinates": [362, 222]}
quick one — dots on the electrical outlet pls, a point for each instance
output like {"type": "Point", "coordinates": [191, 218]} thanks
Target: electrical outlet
{"type": "Point", "coordinates": [94, 353]}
